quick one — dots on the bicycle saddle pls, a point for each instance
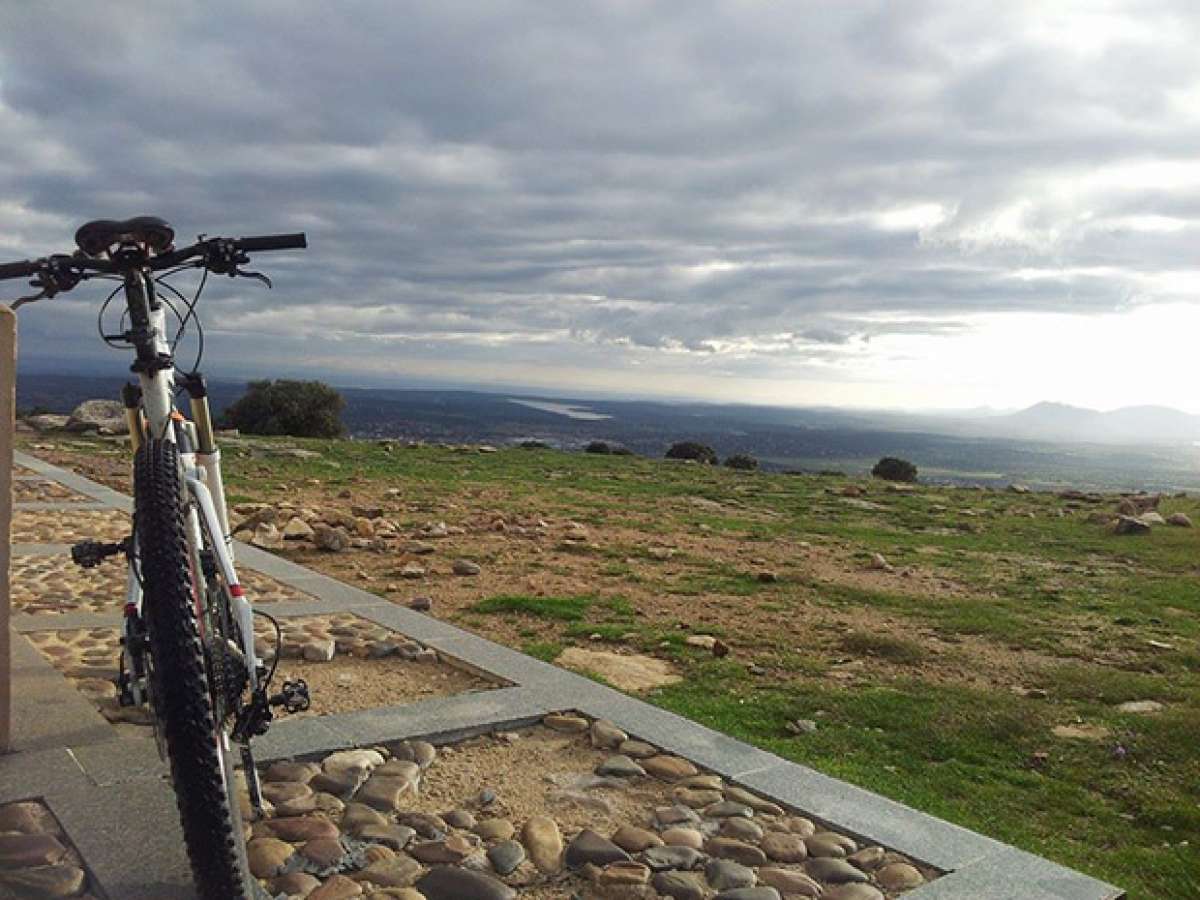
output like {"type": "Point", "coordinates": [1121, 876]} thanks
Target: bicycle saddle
{"type": "Point", "coordinates": [96, 237]}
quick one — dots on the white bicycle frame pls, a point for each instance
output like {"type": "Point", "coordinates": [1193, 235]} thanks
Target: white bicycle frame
{"type": "Point", "coordinates": [201, 472]}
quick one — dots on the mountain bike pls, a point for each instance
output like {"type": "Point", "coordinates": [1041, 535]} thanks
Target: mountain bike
{"type": "Point", "coordinates": [188, 644]}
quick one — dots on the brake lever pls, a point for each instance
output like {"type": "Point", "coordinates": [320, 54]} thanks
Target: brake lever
{"type": "Point", "coordinates": [257, 276]}
{"type": "Point", "coordinates": [21, 301]}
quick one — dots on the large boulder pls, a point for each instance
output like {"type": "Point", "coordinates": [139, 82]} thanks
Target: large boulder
{"type": "Point", "coordinates": [105, 416]}
{"type": "Point", "coordinates": [47, 422]}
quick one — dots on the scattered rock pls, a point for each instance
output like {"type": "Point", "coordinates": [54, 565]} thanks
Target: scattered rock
{"type": "Point", "coordinates": [267, 856]}
{"type": "Point", "coordinates": [543, 842]}
{"type": "Point", "coordinates": [330, 539]}
{"type": "Point", "coordinates": [669, 768]}
{"type": "Point", "coordinates": [830, 845]}
{"type": "Point", "coordinates": [880, 563]}
{"type": "Point", "coordinates": [835, 871]}
{"type": "Point", "coordinates": [725, 874]}
{"type": "Point", "coordinates": [853, 892]}
{"type": "Point", "coordinates": [451, 850]}
{"type": "Point", "coordinates": [60, 880]}
{"type": "Point", "coordinates": [47, 422]}
{"type": "Point", "coordinates": [789, 882]}
{"type": "Point", "coordinates": [506, 856]}
{"type": "Point", "coordinates": [319, 651]}
{"type": "Point", "coordinates": [566, 723]}
{"type": "Point", "coordinates": [1140, 706]}
{"type": "Point", "coordinates": [267, 537]}
{"type": "Point", "coordinates": [620, 766]}
{"type": "Point", "coordinates": [628, 672]}
{"type": "Point", "coordinates": [784, 847]}
{"type": "Point", "coordinates": [1179, 520]}
{"type": "Point", "coordinates": [104, 416]}
{"type": "Point", "coordinates": [607, 736]}
{"type": "Point", "coordinates": [750, 893]}
{"type": "Point", "coordinates": [624, 873]}
{"type": "Point", "coordinates": [449, 883]}
{"type": "Point", "coordinates": [297, 529]}
{"type": "Point", "coordinates": [635, 840]}
{"type": "Point", "coordinates": [1081, 732]}
{"type": "Point", "coordinates": [465, 567]}
{"type": "Point", "coordinates": [1130, 525]}
{"type": "Point", "coordinates": [590, 847]}
{"type": "Point", "coordinates": [398, 872]}
{"type": "Point", "coordinates": [683, 837]}
{"type": "Point", "coordinates": [680, 886]}
{"type": "Point", "coordinates": [495, 829]}
{"type": "Point", "coordinates": [663, 858]}
{"type": "Point", "coordinates": [898, 877]}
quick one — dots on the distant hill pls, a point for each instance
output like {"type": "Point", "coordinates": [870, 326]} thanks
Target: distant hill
{"type": "Point", "coordinates": [1048, 445]}
{"type": "Point", "coordinates": [1132, 425]}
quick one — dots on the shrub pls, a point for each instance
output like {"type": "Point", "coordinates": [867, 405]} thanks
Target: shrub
{"type": "Point", "coordinates": [742, 461]}
{"type": "Point", "coordinates": [692, 450]}
{"type": "Point", "coordinates": [295, 408]}
{"type": "Point", "coordinates": [597, 447]}
{"type": "Point", "coordinates": [534, 445]}
{"type": "Point", "coordinates": [892, 469]}
{"type": "Point", "coordinates": [621, 451]}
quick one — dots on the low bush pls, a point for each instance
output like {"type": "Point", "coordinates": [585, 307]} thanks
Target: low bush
{"type": "Point", "coordinates": [743, 461]}
{"type": "Point", "coordinates": [294, 408]}
{"type": "Point", "coordinates": [891, 468]}
{"type": "Point", "coordinates": [693, 450]}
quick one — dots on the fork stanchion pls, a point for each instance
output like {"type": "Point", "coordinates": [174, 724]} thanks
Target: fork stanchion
{"type": "Point", "coordinates": [8, 387]}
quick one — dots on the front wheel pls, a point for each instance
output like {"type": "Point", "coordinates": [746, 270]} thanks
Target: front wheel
{"type": "Point", "coordinates": [196, 745]}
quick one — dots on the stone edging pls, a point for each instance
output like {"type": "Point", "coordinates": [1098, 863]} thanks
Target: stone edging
{"type": "Point", "coordinates": [976, 866]}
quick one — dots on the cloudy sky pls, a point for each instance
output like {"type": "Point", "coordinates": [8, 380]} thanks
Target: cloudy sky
{"type": "Point", "coordinates": [889, 203]}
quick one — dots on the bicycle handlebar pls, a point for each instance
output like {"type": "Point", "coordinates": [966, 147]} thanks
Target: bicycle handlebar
{"type": "Point", "coordinates": [26, 269]}
{"type": "Point", "coordinates": [272, 242]}
{"type": "Point", "coordinates": [31, 267]}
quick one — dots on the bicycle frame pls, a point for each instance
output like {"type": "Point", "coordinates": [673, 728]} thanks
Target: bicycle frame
{"type": "Point", "coordinates": [151, 411]}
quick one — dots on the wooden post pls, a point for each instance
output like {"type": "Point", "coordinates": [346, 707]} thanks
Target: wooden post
{"type": "Point", "coordinates": [8, 400]}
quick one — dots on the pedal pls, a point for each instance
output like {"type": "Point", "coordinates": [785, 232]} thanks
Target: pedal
{"type": "Point", "coordinates": [294, 697]}
{"type": "Point", "coordinates": [89, 554]}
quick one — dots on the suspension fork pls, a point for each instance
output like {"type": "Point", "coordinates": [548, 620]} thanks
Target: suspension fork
{"type": "Point", "coordinates": [208, 456]}
{"type": "Point", "coordinates": [236, 596]}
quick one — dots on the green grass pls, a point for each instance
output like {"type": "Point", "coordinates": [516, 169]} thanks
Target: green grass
{"type": "Point", "coordinates": [964, 755]}
{"type": "Point", "coordinates": [893, 649]}
{"type": "Point", "coordinates": [565, 609]}
{"type": "Point", "coordinates": [1068, 607]}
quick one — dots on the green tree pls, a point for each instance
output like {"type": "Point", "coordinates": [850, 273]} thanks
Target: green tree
{"type": "Point", "coordinates": [741, 461]}
{"type": "Point", "coordinates": [892, 469]}
{"type": "Point", "coordinates": [296, 408]}
{"type": "Point", "coordinates": [693, 450]}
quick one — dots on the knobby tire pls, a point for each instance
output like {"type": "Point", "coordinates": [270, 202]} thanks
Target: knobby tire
{"type": "Point", "coordinates": [202, 776]}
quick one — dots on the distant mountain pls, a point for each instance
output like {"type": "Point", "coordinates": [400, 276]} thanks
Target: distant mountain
{"type": "Point", "coordinates": [1128, 425]}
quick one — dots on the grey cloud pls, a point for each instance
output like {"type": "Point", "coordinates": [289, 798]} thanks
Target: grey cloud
{"type": "Point", "coordinates": [645, 180]}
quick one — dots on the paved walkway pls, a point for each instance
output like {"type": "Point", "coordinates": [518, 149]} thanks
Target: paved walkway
{"type": "Point", "coordinates": [109, 790]}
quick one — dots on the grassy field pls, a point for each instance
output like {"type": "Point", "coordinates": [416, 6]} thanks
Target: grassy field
{"type": "Point", "coordinates": [978, 676]}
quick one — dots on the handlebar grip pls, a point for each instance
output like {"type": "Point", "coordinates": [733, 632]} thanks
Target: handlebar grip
{"type": "Point", "coordinates": [24, 269]}
{"type": "Point", "coordinates": [272, 242]}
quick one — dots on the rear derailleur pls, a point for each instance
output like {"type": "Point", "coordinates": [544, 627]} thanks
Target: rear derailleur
{"type": "Point", "coordinates": [254, 718]}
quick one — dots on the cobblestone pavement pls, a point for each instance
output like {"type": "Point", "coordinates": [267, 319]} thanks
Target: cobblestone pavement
{"type": "Point", "coordinates": [40, 490]}
{"type": "Point", "coordinates": [58, 527]}
{"type": "Point", "coordinates": [37, 859]}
